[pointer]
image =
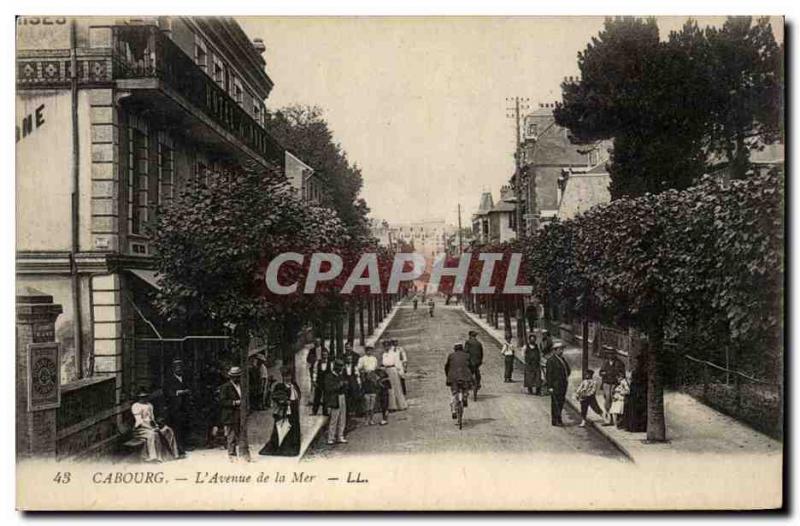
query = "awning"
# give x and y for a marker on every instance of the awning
(148, 276)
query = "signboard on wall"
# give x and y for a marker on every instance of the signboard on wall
(44, 376)
(43, 32)
(44, 160)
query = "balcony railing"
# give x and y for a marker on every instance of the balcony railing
(145, 52)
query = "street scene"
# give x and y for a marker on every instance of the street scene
(436, 248)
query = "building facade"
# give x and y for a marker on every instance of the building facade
(303, 179)
(113, 116)
(547, 153)
(428, 238)
(495, 222)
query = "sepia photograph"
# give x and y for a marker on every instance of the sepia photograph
(399, 263)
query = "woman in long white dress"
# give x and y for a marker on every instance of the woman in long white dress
(390, 362)
(159, 442)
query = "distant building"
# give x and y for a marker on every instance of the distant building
(303, 179)
(547, 152)
(428, 238)
(495, 222)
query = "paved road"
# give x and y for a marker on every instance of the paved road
(505, 419)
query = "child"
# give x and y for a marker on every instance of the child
(585, 394)
(384, 384)
(621, 391)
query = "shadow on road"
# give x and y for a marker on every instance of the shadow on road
(474, 422)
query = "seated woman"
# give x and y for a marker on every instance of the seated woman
(285, 439)
(159, 441)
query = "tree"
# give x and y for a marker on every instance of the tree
(746, 95)
(305, 129)
(674, 107)
(213, 242)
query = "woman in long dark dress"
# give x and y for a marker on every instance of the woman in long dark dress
(634, 413)
(285, 438)
(533, 366)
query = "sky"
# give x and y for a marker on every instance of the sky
(420, 104)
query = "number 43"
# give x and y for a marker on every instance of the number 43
(62, 478)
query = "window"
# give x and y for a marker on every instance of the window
(238, 94)
(201, 54)
(219, 72)
(137, 181)
(512, 221)
(166, 173)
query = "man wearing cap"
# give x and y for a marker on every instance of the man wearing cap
(335, 401)
(230, 409)
(176, 397)
(611, 372)
(475, 351)
(557, 378)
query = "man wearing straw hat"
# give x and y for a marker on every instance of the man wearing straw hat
(231, 402)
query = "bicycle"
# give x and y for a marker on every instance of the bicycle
(459, 404)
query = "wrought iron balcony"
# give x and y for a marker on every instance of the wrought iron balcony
(142, 52)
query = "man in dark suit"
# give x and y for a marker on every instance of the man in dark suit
(176, 397)
(475, 351)
(459, 372)
(230, 409)
(321, 369)
(557, 379)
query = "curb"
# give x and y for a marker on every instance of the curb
(569, 402)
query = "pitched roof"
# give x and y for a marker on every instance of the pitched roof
(487, 203)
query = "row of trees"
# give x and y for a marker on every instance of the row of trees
(703, 261)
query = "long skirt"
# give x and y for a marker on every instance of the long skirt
(533, 376)
(289, 446)
(397, 401)
(159, 444)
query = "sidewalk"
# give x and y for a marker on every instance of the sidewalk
(692, 427)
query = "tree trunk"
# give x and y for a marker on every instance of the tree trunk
(339, 334)
(361, 322)
(521, 329)
(656, 424)
(332, 329)
(370, 317)
(351, 324)
(585, 346)
(507, 318)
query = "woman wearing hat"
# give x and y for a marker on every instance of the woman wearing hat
(159, 442)
(285, 438)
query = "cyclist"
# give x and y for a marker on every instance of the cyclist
(459, 375)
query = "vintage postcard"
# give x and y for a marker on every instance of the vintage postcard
(399, 263)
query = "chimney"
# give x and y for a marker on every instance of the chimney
(258, 44)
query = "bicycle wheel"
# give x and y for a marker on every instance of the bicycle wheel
(460, 411)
